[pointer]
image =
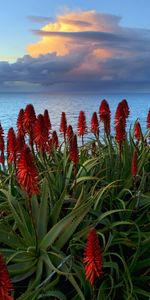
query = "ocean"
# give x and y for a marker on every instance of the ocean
(11, 103)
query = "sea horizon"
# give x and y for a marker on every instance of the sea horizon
(71, 104)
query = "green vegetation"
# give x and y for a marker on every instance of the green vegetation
(43, 233)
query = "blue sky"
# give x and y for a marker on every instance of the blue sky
(22, 34)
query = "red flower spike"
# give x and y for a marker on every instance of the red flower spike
(55, 142)
(104, 114)
(20, 142)
(125, 107)
(29, 117)
(73, 151)
(69, 133)
(137, 131)
(120, 124)
(29, 121)
(92, 257)
(11, 146)
(120, 132)
(120, 114)
(95, 124)
(40, 133)
(148, 119)
(6, 286)
(20, 123)
(27, 173)
(104, 110)
(2, 145)
(47, 120)
(63, 124)
(82, 128)
(134, 165)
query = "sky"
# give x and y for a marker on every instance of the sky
(80, 45)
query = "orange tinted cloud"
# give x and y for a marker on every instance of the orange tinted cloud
(73, 22)
(102, 53)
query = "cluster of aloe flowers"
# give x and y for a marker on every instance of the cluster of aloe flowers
(75, 208)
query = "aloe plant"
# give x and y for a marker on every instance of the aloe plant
(43, 235)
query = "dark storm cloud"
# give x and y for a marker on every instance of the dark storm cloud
(48, 70)
(84, 35)
(44, 70)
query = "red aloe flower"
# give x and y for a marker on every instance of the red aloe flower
(20, 142)
(63, 124)
(125, 107)
(92, 257)
(40, 133)
(29, 117)
(20, 123)
(120, 124)
(73, 151)
(137, 131)
(27, 173)
(134, 166)
(82, 127)
(55, 142)
(29, 121)
(120, 132)
(104, 114)
(2, 145)
(69, 133)
(120, 114)
(148, 119)
(6, 286)
(95, 124)
(11, 146)
(47, 120)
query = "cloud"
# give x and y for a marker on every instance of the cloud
(82, 50)
(83, 35)
(65, 34)
(39, 19)
(43, 71)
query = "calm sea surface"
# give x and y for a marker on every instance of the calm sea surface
(10, 104)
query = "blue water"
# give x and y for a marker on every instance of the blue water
(10, 104)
